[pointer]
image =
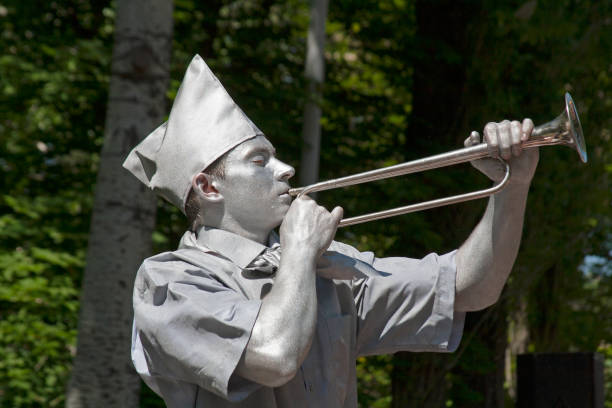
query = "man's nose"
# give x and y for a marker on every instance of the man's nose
(284, 171)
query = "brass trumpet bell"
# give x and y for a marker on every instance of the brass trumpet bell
(565, 129)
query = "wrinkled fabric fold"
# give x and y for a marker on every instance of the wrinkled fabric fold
(195, 309)
(204, 124)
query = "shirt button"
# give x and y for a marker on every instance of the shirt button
(310, 386)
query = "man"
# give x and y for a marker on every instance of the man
(232, 318)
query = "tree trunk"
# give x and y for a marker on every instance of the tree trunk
(446, 35)
(418, 380)
(124, 210)
(483, 375)
(315, 74)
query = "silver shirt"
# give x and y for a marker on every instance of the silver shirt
(194, 309)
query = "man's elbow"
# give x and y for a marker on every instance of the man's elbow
(285, 370)
(270, 368)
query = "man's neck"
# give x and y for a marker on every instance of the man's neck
(257, 236)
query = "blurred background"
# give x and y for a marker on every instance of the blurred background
(403, 79)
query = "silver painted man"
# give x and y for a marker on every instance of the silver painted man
(241, 316)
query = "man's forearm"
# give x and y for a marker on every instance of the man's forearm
(486, 258)
(283, 331)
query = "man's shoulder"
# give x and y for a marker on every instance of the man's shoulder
(190, 256)
(180, 264)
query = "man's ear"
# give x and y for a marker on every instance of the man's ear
(203, 186)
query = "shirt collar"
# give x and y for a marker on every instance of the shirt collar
(236, 248)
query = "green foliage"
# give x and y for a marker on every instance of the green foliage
(38, 325)
(53, 85)
(374, 382)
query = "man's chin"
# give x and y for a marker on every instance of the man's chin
(286, 198)
(280, 219)
(277, 220)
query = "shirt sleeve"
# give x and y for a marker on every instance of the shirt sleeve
(190, 327)
(406, 304)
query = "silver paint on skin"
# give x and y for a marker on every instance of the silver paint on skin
(254, 191)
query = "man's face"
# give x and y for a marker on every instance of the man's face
(255, 185)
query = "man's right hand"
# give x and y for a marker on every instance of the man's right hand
(287, 319)
(309, 226)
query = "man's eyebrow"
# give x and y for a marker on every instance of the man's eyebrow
(258, 149)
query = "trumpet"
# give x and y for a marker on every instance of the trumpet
(565, 130)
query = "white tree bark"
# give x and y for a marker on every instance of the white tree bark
(124, 210)
(315, 74)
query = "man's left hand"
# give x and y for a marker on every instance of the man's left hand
(505, 139)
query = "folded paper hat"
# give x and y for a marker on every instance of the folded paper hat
(204, 124)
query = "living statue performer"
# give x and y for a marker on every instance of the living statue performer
(240, 316)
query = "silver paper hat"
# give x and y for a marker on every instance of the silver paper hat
(204, 123)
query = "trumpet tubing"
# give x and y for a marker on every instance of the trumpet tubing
(565, 129)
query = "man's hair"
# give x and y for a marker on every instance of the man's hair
(192, 206)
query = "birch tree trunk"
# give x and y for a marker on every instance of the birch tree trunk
(315, 74)
(124, 210)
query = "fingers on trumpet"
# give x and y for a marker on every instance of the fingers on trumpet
(504, 138)
(473, 139)
(527, 128)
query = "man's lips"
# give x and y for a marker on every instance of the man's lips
(285, 195)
